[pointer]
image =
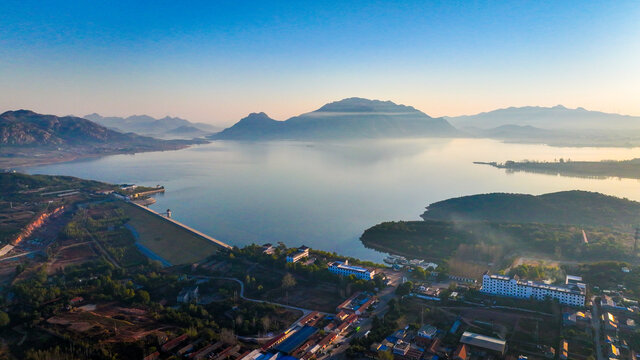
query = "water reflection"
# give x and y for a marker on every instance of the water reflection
(325, 194)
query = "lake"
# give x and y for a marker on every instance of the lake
(324, 195)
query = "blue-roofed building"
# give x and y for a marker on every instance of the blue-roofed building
(287, 357)
(295, 340)
(454, 327)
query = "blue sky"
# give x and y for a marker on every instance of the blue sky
(216, 61)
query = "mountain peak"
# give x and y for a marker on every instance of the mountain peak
(357, 104)
(19, 112)
(258, 115)
(347, 118)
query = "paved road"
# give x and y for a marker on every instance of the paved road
(103, 251)
(19, 255)
(595, 319)
(384, 296)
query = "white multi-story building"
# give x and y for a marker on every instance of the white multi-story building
(570, 294)
(301, 253)
(344, 269)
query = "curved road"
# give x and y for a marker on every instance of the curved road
(304, 311)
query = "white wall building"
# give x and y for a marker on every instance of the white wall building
(344, 269)
(514, 287)
(301, 253)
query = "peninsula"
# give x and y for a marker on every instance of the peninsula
(629, 169)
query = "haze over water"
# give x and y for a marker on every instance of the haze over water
(324, 195)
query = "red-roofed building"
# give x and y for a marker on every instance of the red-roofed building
(76, 300)
(343, 327)
(171, 344)
(308, 318)
(330, 326)
(342, 315)
(154, 356)
(346, 303)
(435, 347)
(461, 353)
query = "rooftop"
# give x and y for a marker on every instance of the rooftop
(574, 278)
(571, 289)
(297, 339)
(342, 265)
(482, 341)
(427, 331)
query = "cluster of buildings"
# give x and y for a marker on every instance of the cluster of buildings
(573, 292)
(315, 333)
(308, 338)
(342, 268)
(426, 343)
(398, 262)
(425, 292)
(182, 346)
(573, 317)
(357, 304)
(617, 319)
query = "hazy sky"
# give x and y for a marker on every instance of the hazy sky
(216, 61)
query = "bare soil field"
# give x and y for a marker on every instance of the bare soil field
(73, 254)
(108, 322)
(8, 270)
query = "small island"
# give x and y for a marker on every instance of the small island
(629, 169)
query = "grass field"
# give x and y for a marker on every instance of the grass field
(165, 239)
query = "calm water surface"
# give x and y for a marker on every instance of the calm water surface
(325, 195)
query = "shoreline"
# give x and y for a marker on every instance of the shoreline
(27, 162)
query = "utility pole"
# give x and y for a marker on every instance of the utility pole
(635, 242)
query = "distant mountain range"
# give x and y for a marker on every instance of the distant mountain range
(166, 127)
(350, 118)
(27, 128)
(556, 126)
(344, 119)
(28, 138)
(557, 117)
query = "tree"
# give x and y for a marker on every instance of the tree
(404, 288)
(143, 297)
(288, 281)
(384, 355)
(4, 319)
(266, 323)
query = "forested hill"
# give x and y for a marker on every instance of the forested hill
(27, 128)
(28, 138)
(566, 207)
